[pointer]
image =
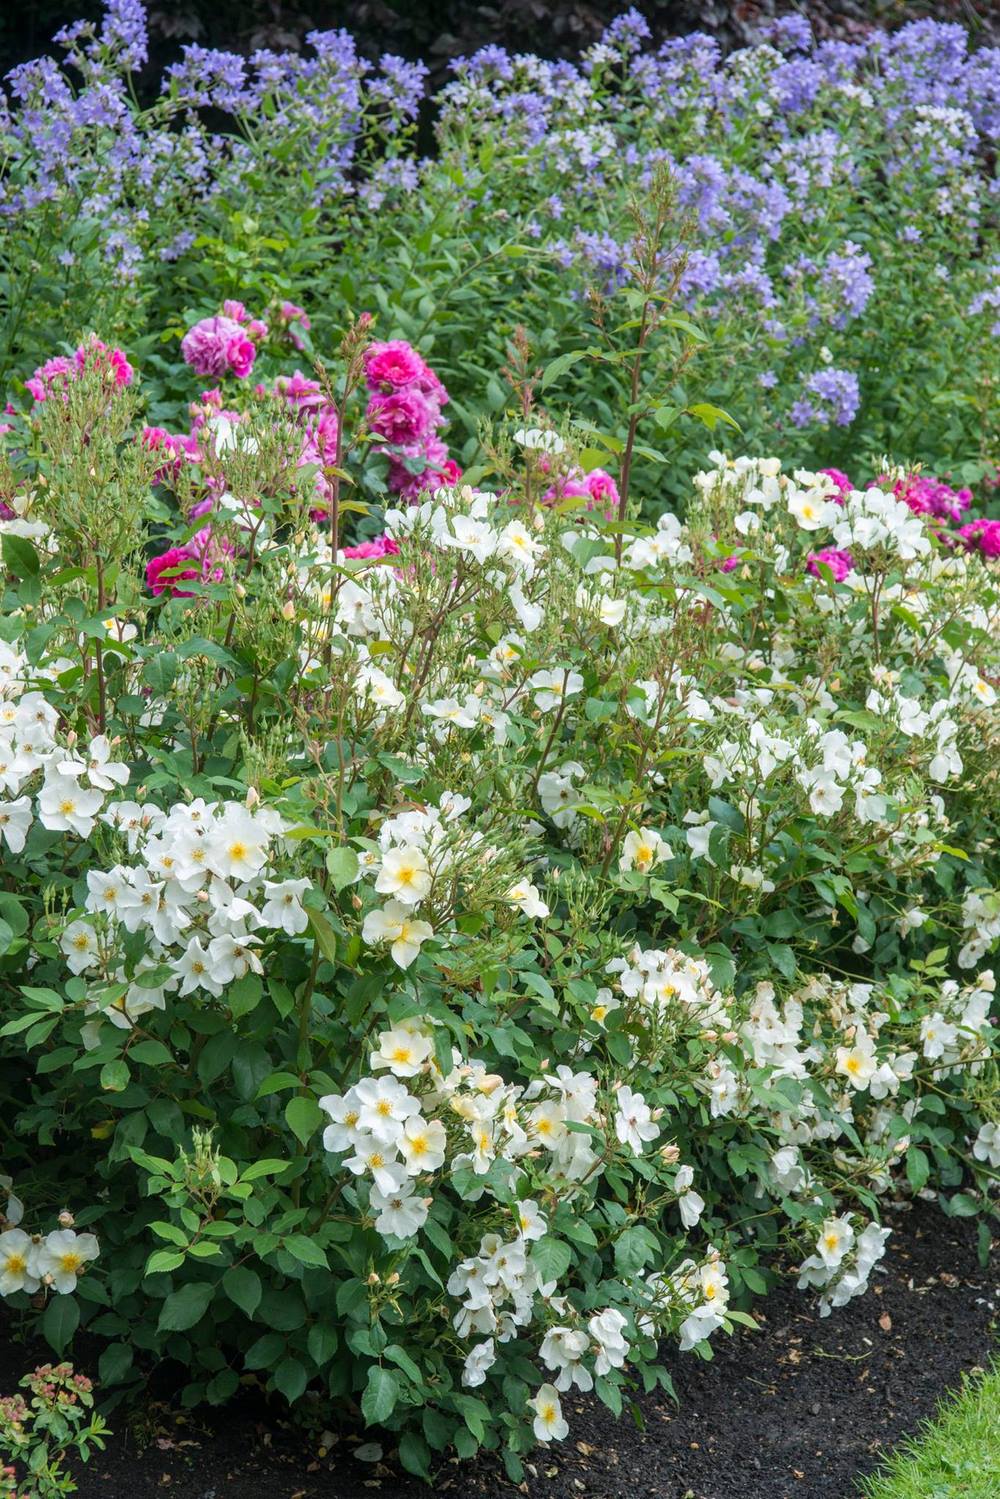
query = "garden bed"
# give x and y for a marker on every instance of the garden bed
(803, 1408)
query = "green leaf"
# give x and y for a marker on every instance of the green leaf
(115, 1362)
(710, 416)
(415, 1455)
(303, 1117)
(163, 1262)
(20, 557)
(633, 1249)
(160, 670)
(186, 1306)
(62, 1315)
(558, 367)
(291, 1379)
(115, 1076)
(171, 1233)
(266, 1351)
(242, 1286)
(276, 1083)
(262, 1168)
(322, 1343)
(306, 1251)
(400, 1356)
(918, 1167)
(379, 1400)
(151, 1054)
(326, 937)
(551, 1258)
(342, 867)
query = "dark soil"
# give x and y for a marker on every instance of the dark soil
(796, 1411)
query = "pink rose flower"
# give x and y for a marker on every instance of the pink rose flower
(240, 354)
(982, 536)
(217, 345)
(842, 482)
(180, 564)
(393, 366)
(839, 563)
(405, 416)
(381, 546)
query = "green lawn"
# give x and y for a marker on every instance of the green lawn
(956, 1455)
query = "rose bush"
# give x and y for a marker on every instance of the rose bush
(449, 948)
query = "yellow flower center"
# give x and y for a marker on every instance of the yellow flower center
(69, 1263)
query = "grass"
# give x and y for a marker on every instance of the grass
(956, 1456)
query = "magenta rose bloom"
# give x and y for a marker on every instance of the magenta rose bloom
(381, 546)
(598, 489)
(180, 563)
(393, 366)
(216, 345)
(839, 563)
(96, 355)
(300, 392)
(601, 487)
(403, 417)
(292, 319)
(240, 354)
(843, 483)
(926, 495)
(54, 375)
(982, 536)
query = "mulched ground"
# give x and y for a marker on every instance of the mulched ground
(796, 1411)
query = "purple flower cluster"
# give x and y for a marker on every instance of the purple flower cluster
(832, 398)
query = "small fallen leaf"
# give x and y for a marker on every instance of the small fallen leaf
(368, 1452)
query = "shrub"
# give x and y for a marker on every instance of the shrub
(841, 254)
(438, 969)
